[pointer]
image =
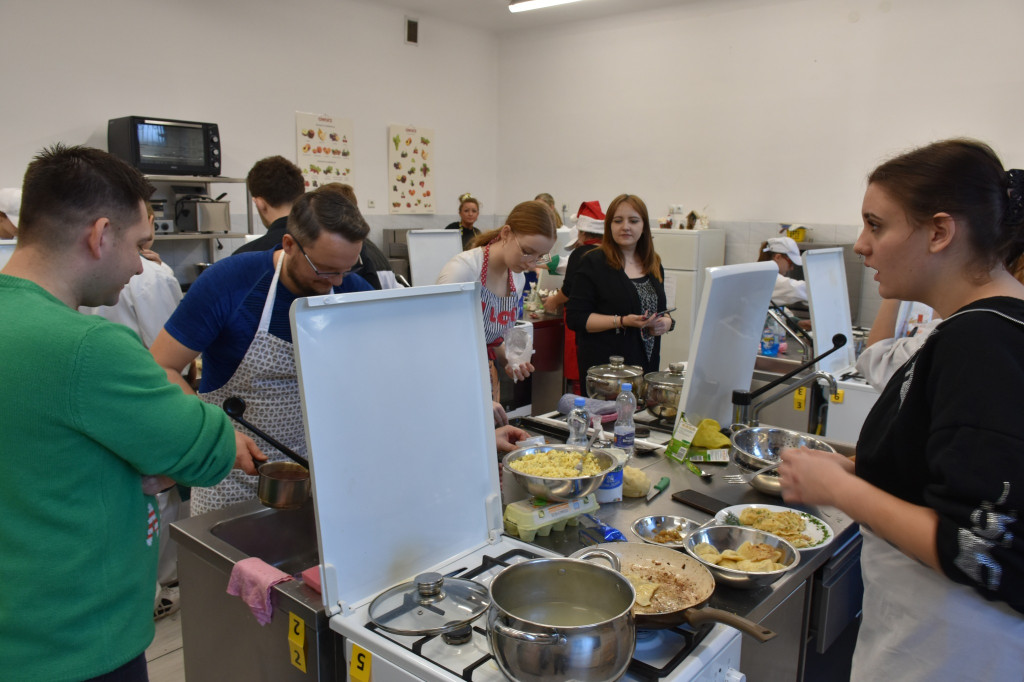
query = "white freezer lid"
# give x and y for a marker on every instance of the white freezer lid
(396, 401)
(829, 304)
(726, 337)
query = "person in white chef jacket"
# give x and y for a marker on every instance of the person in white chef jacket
(144, 305)
(785, 254)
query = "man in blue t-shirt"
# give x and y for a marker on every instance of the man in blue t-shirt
(236, 316)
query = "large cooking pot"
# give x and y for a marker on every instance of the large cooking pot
(603, 381)
(662, 391)
(282, 485)
(684, 588)
(562, 619)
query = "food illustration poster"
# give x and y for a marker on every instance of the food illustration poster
(410, 178)
(323, 149)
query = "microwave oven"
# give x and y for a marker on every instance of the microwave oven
(163, 146)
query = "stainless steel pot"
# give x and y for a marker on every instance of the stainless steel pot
(662, 391)
(603, 381)
(283, 485)
(562, 619)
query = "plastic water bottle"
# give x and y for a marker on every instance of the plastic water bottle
(578, 420)
(625, 429)
(771, 337)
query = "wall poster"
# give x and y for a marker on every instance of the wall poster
(323, 149)
(410, 180)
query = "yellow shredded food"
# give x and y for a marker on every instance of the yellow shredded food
(750, 557)
(788, 525)
(557, 464)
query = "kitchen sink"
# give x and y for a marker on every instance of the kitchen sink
(222, 639)
(284, 538)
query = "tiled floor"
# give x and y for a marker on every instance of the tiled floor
(165, 657)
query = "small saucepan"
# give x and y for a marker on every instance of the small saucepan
(684, 588)
(283, 485)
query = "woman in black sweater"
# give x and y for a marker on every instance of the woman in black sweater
(938, 481)
(618, 290)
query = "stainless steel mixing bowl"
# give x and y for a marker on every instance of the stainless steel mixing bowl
(559, 489)
(731, 537)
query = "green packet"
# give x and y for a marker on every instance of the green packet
(682, 436)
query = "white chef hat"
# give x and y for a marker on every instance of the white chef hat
(785, 246)
(10, 203)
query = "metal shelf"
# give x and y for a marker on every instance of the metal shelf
(209, 237)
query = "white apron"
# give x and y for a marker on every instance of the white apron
(920, 625)
(266, 380)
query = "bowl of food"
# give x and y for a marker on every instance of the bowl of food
(744, 558)
(670, 531)
(553, 472)
(759, 446)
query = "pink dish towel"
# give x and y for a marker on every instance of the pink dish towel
(251, 579)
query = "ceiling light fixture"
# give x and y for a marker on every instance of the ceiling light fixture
(524, 5)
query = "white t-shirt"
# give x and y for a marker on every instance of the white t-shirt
(465, 267)
(146, 301)
(879, 361)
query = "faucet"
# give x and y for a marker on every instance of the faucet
(745, 410)
(755, 408)
(805, 350)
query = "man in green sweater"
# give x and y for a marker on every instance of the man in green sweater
(88, 421)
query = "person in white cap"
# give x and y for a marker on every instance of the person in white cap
(10, 207)
(785, 254)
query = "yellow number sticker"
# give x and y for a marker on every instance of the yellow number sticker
(296, 629)
(799, 399)
(359, 667)
(838, 397)
(297, 654)
(297, 641)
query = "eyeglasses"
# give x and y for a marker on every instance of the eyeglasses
(538, 258)
(320, 273)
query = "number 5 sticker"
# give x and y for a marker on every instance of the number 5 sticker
(359, 667)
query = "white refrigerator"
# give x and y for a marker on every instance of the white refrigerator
(684, 255)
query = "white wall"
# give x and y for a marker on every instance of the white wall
(68, 66)
(760, 110)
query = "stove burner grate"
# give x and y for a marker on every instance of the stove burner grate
(686, 638)
(690, 640)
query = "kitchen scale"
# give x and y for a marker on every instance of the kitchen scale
(526, 519)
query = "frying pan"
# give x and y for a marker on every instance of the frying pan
(282, 485)
(682, 570)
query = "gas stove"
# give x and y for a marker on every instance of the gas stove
(393, 503)
(710, 653)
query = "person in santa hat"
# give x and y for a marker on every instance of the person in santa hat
(590, 228)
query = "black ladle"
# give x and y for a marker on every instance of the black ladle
(235, 408)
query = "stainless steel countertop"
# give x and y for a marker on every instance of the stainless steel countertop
(752, 604)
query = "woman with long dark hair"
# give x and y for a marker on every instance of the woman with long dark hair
(618, 291)
(938, 481)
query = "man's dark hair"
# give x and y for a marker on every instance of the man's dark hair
(328, 209)
(276, 180)
(70, 187)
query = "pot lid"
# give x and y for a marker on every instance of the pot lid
(429, 605)
(615, 369)
(673, 377)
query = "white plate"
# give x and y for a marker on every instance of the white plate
(817, 530)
